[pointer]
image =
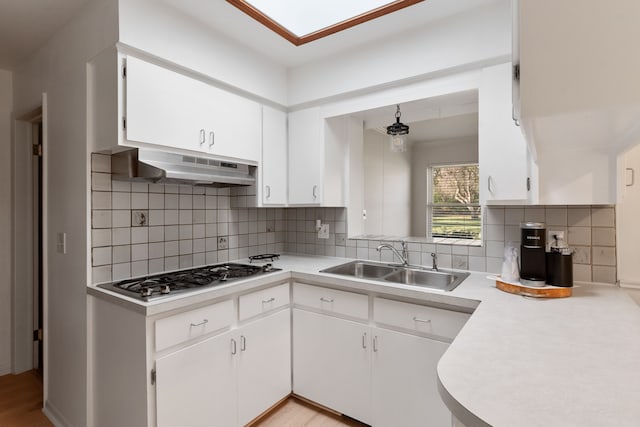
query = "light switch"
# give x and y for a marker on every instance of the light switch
(61, 243)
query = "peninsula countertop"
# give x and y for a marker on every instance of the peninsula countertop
(517, 362)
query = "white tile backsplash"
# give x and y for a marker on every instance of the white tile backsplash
(603, 217)
(183, 224)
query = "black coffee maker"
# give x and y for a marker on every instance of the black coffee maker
(532, 254)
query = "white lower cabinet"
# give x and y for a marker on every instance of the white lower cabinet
(264, 362)
(378, 376)
(332, 363)
(197, 384)
(229, 379)
(405, 383)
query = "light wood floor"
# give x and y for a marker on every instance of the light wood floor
(21, 401)
(297, 413)
(21, 406)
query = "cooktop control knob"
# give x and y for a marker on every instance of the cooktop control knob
(165, 289)
(146, 292)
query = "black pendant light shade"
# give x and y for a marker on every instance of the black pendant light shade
(398, 128)
(397, 132)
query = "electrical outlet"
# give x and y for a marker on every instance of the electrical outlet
(323, 232)
(551, 233)
(139, 218)
(223, 242)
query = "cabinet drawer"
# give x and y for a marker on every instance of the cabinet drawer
(191, 324)
(262, 301)
(420, 318)
(332, 300)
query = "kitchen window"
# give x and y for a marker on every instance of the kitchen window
(454, 214)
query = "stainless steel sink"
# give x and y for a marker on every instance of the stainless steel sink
(363, 270)
(443, 280)
(413, 276)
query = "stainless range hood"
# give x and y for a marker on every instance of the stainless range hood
(163, 167)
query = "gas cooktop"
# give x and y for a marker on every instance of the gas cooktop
(149, 288)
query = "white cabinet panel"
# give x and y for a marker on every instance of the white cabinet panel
(263, 301)
(182, 327)
(196, 385)
(419, 318)
(306, 156)
(264, 367)
(405, 382)
(163, 107)
(502, 150)
(331, 300)
(273, 175)
(166, 108)
(332, 363)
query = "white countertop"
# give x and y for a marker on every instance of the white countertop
(517, 362)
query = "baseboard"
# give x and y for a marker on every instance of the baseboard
(55, 416)
(5, 369)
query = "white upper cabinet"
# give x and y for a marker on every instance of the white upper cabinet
(272, 189)
(319, 157)
(579, 66)
(502, 150)
(306, 157)
(136, 103)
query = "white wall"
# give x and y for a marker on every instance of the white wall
(59, 69)
(6, 103)
(467, 41)
(387, 187)
(160, 30)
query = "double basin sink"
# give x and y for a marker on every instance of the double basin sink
(404, 275)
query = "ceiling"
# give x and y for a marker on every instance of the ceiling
(235, 24)
(25, 25)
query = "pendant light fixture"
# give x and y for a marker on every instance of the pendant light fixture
(398, 134)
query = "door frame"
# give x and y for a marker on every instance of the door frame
(22, 242)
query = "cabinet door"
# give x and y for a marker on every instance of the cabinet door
(306, 157)
(233, 125)
(405, 382)
(273, 188)
(163, 107)
(502, 150)
(331, 363)
(196, 386)
(264, 368)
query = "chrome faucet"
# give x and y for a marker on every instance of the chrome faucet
(435, 261)
(404, 256)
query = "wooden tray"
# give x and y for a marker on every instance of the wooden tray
(532, 291)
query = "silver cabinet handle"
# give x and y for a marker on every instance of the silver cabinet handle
(201, 136)
(633, 178)
(212, 138)
(267, 301)
(243, 343)
(375, 343)
(323, 299)
(315, 189)
(489, 184)
(233, 346)
(364, 340)
(204, 322)
(416, 319)
(268, 188)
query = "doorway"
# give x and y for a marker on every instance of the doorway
(29, 242)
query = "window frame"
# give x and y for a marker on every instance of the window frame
(430, 204)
